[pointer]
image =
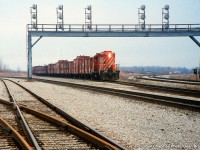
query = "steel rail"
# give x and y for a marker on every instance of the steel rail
(72, 119)
(186, 103)
(71, 128)
(167, 89)
(172, 81)
(16, 135)
(181, 80)
(22, 120)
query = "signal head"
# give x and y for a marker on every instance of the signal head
(60, 7)
(33, 16)
(142, 16)
(34, 6)
(142, 7)
(166, 16)
(166, 7)
(89, 7)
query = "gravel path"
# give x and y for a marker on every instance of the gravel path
(133, 124)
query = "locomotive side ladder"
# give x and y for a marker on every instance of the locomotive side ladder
(103, 30)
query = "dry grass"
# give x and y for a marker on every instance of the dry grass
(124, 75)
(12, 74)
(184, 77)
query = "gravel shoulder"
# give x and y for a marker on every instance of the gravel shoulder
(118, 86)
(131, 123)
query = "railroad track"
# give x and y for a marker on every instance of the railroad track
(172, 101)
(179, 91)
(57, 130)
(186, 92)
(11, 133)
(171, 80)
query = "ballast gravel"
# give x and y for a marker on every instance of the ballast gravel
(133, 124)
(3, 92)
(123, 87)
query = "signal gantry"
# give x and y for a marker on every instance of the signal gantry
(88, 29)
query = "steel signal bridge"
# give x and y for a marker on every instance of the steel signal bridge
(107, 30)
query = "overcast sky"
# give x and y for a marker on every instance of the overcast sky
(173, 51)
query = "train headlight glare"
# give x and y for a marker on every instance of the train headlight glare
(109, 55)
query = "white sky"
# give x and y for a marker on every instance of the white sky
(177, 52)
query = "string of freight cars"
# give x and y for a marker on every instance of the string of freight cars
(99, 67)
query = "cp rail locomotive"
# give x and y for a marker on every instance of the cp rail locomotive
(100, 67)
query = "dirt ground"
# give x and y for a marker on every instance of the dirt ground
(12, 74)
(184, 77)
(127, 76)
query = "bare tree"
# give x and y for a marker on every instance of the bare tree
(1, 65)
(18, 69)
(4, 67)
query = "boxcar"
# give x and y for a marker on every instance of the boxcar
(66, 68)
(81, 66)
(59, 68)
(51, 69)
(71, 68)
(40, 70)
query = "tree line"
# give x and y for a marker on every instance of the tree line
(156, 70)
(3, 67)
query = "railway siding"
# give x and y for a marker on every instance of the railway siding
(121, 87)
(178, 84)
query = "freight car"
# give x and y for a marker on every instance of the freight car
(100, 67)
(40, 70)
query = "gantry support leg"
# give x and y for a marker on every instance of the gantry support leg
(198, 43)
(29, 57)
(30, 46)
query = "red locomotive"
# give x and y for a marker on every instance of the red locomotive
(104, 67)
(100, 67)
